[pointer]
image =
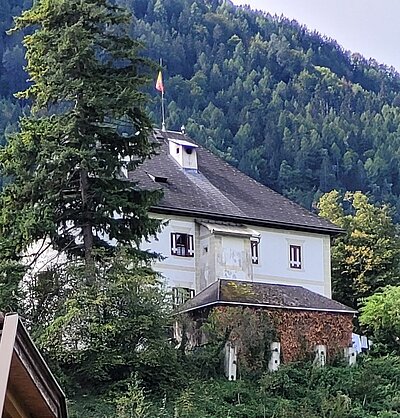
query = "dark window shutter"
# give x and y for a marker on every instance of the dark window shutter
(190, 251)
(174, 250)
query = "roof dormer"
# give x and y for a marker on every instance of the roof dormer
(184, 152)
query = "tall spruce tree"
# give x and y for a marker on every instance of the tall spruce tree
(100, 315)
(87, 124)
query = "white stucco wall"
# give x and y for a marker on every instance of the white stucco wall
(233, 258)
(219, 256)
(274, 266)
(179, 271)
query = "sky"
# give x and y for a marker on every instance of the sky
(369, 27)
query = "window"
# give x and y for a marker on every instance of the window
(180, 295)
(182, 245)
(254, 251)
(295, 261)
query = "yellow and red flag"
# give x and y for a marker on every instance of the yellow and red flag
(160, 83)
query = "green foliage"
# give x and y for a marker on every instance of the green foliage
(205, 362)
(366, 258)
(92, 406)
(99, 334)
(368, 390)
(11, 294)
(133, 404)
(381, 315)
(302, 390)
(251, 331)
(87, 123)
(260, 91)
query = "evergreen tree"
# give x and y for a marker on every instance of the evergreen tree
(88, 123)
(96, 314)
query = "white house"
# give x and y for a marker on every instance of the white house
(229, 241)
(224, 225)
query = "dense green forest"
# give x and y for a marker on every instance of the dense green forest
(290, 108)
(287, 106)
(12, 61)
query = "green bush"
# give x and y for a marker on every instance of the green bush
(369, 390)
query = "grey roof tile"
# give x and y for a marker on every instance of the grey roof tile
(246, 293)
(220, 190)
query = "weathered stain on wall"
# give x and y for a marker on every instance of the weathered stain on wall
(206, 259)
(222, 257)
(233, 258)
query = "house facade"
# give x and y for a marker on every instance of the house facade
(221, 224)
(199, 251)
(223, 230)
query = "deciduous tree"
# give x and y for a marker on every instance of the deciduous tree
(366, 257)
(381, 316)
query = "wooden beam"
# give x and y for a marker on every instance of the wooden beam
(13, 407)
(7, 342)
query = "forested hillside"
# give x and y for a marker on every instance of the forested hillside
(293, 110)
(288, 107)
(12, 75)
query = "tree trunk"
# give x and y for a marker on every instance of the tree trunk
(87, 231)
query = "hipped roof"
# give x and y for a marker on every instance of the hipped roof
(219, 191)
(254, 294)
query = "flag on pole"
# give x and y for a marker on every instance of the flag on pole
(159, 82)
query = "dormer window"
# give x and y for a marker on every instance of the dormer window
(182, 245)
(184, 153)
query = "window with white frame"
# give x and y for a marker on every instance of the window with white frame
(180, 295)
(295, 257)
(255, 244)
(182, 245)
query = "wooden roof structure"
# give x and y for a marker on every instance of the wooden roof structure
(27, 387)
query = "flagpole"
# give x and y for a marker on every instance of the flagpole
(163, 128)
